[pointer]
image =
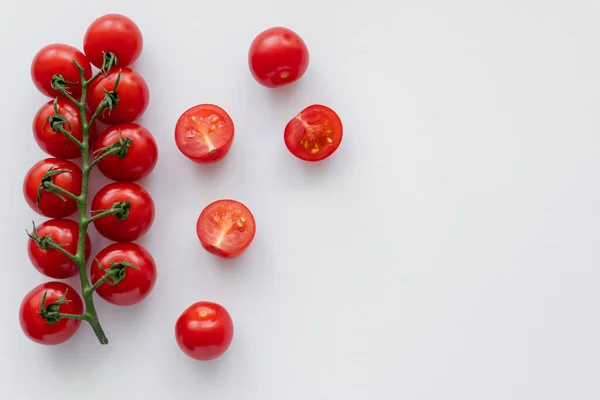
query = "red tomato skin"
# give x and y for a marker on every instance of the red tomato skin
(50, 205)
(141, 157)
(204, 331)
(133, 93)
(141, 212)
(181, 129)
(278, 56)
(52, 263)
(113, 33)
(57, 58)
(55, 143)
(136, 285)
(36, 328)
(314, 115)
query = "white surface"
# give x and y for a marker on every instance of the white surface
(448, 250)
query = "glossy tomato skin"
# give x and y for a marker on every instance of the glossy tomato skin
(52, 263)
(113, 33)
(204, 331)
(58, 58)
(141, 157)
(137, 283)
(55, 143)
(226, 228)
(204, 133)
(50, 205)
(314, 134)
(141, 212)
(133, 93)
(36, 328)
(278, 56)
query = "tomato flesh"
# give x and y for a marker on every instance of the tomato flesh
(314, 134)
(204, 133)
(226, 228)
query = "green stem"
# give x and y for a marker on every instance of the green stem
(52, 186)
(100, 215)
(70, 136)
(111, 152)
(59, 248)
(73, 316)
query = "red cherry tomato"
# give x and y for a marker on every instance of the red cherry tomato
(226, 228)
(113, 33)
(137, 283)
(141, 157)
(37, 328)
(204, 133)
(58, 59)
(141, 212)
(314, 134)
(55, 143)
(132, 91)
(50, 204)
(51, 262)
(204, 331)
(278, 56)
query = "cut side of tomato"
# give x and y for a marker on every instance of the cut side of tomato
(204, 133)
(314, 134)
(226, 228)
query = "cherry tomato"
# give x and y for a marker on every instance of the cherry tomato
(204, 133)
(55, 143)
(141, 212)
(226, 228)
(51, 262)
(50, 204)
(314, 134)
(37, 328)
(137, 283)
(113, 33)
(278, 56)
(204, 331)
(141, 157)
(58, 59)
(132, 91)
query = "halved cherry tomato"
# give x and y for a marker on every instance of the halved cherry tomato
(51, 262)
(133, 93)
(37, 328)
(138, 282)
(113, 33)
(314, 134)
(204, 331)
(141, 157)
(50, 204)
(141, 211)
(226, 228)
(278, 56)
(58, 58)
(55, 143)
(204, 133)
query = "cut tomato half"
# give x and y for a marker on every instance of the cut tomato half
(226, 228)
(314, 134)
(204, 133)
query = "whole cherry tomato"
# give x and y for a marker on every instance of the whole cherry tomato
(226, 228)
(138, 281)
(50, 204)
(314, 134)
(204, 133)
(278, 56)
(36, 327)
(140, 158)
(113, 33)
(51, 262)
(141, 211)
(132, 91)
(58, 59)
(204, 331)
(56, 143)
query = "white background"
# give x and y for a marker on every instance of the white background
(448, 250)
